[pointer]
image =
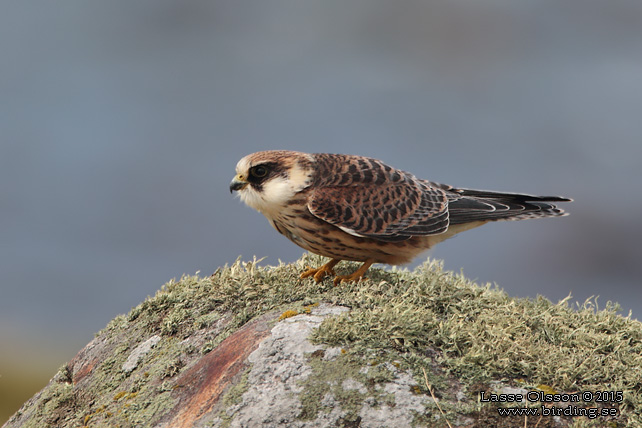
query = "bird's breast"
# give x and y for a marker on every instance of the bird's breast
(325, 239)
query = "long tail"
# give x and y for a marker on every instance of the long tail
(468, 205)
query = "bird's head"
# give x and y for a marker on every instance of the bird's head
(266, 181)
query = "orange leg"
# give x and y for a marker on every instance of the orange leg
(321, 272)
(356, 275)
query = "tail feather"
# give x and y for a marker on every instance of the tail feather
(468, 205)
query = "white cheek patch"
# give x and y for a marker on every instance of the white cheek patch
(251, 198)
(278, 190)
(274, 195)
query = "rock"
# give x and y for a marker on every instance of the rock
(252, 347)
(139, 352)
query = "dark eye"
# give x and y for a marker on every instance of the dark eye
(258, 171)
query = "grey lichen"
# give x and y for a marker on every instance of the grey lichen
(139, 353)
(347, 383)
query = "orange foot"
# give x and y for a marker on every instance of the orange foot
(356, 275)
(319, 273)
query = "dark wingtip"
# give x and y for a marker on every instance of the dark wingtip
(555, 199)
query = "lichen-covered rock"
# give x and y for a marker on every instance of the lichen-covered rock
(259, 347)
(278, 367)
(289, 377)
(266, 374)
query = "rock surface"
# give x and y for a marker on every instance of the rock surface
(259, 347)
(256, 377)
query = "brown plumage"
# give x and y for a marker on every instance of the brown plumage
(357, 208)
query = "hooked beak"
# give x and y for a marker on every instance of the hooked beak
(238, 183)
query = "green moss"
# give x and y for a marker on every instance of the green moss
(483, 334)
(233, 396)
(327, 378)
(206, 319)
(234, 393)
(58, 397)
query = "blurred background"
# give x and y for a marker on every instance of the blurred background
(121, 124)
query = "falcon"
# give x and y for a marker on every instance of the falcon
(357, 208)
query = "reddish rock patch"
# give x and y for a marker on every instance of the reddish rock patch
(200, 387)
